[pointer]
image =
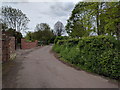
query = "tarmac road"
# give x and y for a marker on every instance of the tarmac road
(38, 68)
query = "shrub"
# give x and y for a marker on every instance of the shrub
(60, 38)
(99, 54)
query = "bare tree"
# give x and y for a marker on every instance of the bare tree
(14, 18)
(59, 28)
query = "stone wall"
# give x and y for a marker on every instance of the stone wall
(5, 48)
(28, 45)
(0, 46)
(8, 47)
(12, 47)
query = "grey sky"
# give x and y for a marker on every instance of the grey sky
(44, 12)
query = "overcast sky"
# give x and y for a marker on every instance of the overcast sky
(44, 12)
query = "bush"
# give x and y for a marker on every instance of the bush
(60, 38)
(99, 54)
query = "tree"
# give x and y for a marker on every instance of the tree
(112, 19)
(42, 33)
(42, 26)
(99, 17)
(16, 34)
(78, 30)
(3, 27)
(29, 36)
(59, 28)
(79, 24)
(14, 18)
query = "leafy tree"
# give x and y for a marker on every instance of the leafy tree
(11, 32)
(112, 19)
(29, 36)
(14, 18)
(3, 27)
(42, 33)
(42, 26)
(78, 30)
(16, 34)
(100, 17)
(59, 28)
(79, 24)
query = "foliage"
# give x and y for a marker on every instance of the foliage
(42, 26)
(99, 54)
(16, 34)
(11, 32)
(112, 19)
(43, 34)
(29, 36)
(60, 38)
(3, 27)
(99, 17)
(79, 24)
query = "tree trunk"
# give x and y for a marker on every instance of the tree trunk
(118, 31)
(97, 19)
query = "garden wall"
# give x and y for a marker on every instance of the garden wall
(12, 47)
(7, 45)
(28, 45)
(0, 46)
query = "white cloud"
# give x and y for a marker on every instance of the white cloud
(44, 12)
(74, 1)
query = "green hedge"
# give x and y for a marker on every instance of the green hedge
(60, 38)
(99, 54)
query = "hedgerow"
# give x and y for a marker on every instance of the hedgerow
(99, 54)
(60, 38)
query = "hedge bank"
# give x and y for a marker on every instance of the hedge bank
(99, 54)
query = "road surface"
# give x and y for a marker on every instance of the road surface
(38, 68)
